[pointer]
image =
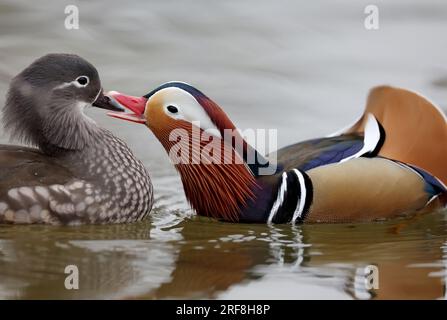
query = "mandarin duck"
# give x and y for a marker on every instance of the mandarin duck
(73, 172)
(391, 162)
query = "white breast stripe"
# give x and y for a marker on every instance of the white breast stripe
(302, 199)
(279, 198)
(371, 138)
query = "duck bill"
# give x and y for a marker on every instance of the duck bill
(104, 102)
(136, 106)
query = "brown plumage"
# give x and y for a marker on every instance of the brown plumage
(354, 190)
(207, 178)
(416, 131)
(390, 163)
(76, 172)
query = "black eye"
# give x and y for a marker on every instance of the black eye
(82, 80)
(172, 109)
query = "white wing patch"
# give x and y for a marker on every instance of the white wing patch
(371, 138)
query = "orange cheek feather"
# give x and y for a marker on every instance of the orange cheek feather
(205, 185)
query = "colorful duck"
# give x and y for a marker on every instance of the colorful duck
(78, 173)
(391, 162)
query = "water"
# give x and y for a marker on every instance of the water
(304, 69)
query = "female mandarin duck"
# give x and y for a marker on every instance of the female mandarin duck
(79, 172)
(390, 162)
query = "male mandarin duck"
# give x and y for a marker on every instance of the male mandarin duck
(78, 173)
(391, 162)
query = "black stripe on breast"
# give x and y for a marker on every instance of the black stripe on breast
(285, 211)
(309, 197)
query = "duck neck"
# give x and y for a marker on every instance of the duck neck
(217, 177)
(218, 190)
(69, 131)
(52, 124)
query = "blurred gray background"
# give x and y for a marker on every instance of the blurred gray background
(302, 67)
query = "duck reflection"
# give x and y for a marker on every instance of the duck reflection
(218, 260)
(113, 261)
(176, 257)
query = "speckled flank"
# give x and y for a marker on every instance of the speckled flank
(113, 187)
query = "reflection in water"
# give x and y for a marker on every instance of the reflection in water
(443, 272)
(113, 262)
(183, 258)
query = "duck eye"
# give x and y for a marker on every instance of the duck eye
(172, 109)
(82, 80)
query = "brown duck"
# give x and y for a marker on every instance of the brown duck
(391, 162)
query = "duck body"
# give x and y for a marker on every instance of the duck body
(389, 163)
(102, 184)
(360, 189)
(79, 173)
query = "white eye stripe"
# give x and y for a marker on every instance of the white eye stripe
(75, 83)
(188, 108)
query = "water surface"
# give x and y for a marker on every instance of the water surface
(302, 68)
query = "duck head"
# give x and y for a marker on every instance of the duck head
(45, 103)
(207, 150)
